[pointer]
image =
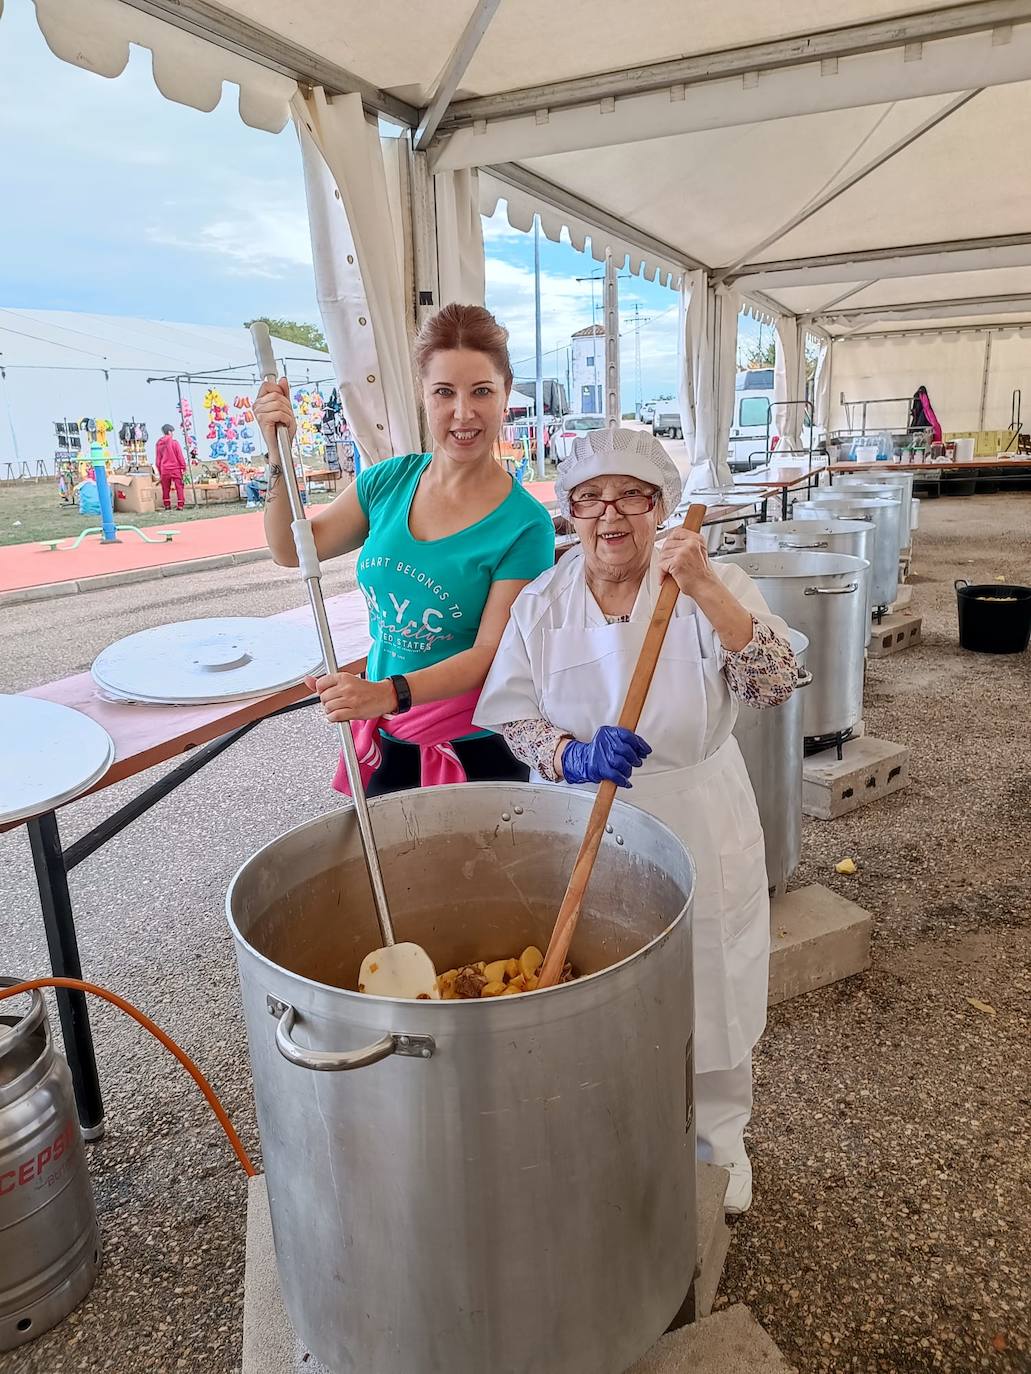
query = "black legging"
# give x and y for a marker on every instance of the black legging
(485, 759)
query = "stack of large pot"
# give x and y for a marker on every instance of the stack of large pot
(883, 508)
(899, 481)
(498, 1184)
(855, 538)
(822, 595)
(771, 743)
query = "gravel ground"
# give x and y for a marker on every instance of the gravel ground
(890, 1229)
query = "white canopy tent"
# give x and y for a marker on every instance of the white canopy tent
(844, 171)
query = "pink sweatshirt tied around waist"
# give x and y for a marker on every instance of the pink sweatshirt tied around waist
(432, 727)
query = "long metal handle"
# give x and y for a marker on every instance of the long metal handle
(337, 1061)
(822, 544)
(832, 591)
(307, 558)
(629, 717)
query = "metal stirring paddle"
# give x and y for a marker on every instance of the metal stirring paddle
(396, 970)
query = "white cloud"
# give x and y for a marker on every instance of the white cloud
(260, 244)
(565, 308)
(496, 229)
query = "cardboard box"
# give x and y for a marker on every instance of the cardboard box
(215, 493)
(135, 493)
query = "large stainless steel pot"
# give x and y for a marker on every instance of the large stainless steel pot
(772, 746)
(49, 1241)
(899, 481)
(852, 537)
(872, 491)
(504, 1184)
(822, 595)
(885, 513)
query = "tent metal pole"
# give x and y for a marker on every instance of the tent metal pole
(999, 250)
(832, 194)
(455, 69)
(984, 379)
(828, 46)
(1018, 301)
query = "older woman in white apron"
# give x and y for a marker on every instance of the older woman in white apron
(557, 686)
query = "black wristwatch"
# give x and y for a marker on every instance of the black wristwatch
(404, 694)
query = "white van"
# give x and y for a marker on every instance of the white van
(752, 425)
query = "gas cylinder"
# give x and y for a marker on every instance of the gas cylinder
(49, 1240)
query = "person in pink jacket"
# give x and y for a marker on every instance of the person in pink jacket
(171, 466)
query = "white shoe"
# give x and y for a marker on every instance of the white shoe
(739, 1189)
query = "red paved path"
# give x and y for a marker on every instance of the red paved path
(31, 565)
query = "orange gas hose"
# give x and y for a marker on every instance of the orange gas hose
(191, 1068)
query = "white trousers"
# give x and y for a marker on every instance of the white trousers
(723, 1108)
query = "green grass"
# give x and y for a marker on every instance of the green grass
(33, 511)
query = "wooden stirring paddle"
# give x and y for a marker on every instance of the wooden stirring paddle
(629, 718)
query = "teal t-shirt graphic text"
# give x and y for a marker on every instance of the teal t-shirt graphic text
(426, 597)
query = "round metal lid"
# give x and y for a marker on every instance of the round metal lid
(197, 661)
(50, 754)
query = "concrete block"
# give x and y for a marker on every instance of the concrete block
(729, 1342)
(220, 560)
(713, 1236)
(816, 938)
(46, 592)
(713, 1243)
(896, 631)
(902, 600)
(868, 770)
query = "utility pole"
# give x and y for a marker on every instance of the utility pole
(539, 391)
(597, 276)
(613, 399)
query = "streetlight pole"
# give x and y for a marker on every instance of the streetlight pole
(539, 391)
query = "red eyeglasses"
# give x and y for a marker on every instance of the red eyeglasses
(593, 507)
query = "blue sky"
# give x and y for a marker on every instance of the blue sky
(121, 202)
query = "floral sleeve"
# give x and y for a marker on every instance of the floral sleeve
(764, 672)
(534, 743)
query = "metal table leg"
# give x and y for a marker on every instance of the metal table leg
(52, 880)
(784, 503)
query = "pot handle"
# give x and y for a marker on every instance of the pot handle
(822, 544)
(961, 582)
(334, 1061)
(832, 591)
(805, 677)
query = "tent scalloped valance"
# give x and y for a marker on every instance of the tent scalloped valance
(96, 35)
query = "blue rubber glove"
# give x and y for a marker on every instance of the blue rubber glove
(611, 756)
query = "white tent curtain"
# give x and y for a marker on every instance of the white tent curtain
(706, 369)
(694, 379)
(460, 262)
(789, 383)
(359, 272)
(822, 386)
(727, 308)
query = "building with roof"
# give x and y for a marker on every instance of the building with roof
(587, 368)
(57, 366)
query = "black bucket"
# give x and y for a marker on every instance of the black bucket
(994, 618)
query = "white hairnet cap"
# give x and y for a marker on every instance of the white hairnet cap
(619, 453)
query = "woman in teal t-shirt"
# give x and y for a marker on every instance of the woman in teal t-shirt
(447, 541)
